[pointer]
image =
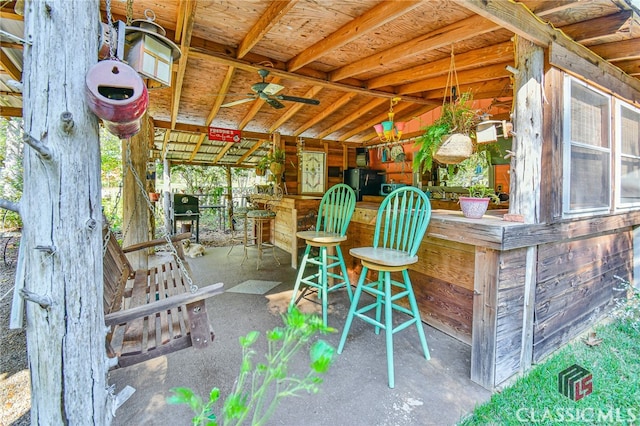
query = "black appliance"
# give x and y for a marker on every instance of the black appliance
(363, 181)
(186, 209)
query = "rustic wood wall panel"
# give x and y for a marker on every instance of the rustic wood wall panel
(575, 286)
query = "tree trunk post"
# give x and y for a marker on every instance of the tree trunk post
(166, 194)
(135, 207)
(62, 216)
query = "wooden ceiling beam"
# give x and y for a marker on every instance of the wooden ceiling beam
(196, 148)
(165, 142)
(224, 89)
(379, 15)
(631, 66)
(594, 29)
(518, 19)
(276, 11)
(619, 50)
(483, 90)
(251, 150)
(180, 11)
(497, 53)
(317, 80)
(10, 111)
(11, 45)
(10, 67)
(189, 18)
(293, 109)
(326, 112)
(471, 76)
(255, 107)
(471, 27)
(351, 117)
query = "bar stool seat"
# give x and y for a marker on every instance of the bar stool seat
(334, 214)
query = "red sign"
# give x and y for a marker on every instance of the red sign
(224, 135)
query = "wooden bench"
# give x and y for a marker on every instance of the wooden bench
(152, 312)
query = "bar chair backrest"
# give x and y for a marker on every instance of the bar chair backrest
(402, 220)
(336, 208)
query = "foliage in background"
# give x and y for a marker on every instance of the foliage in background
(260, 387)
(614, 364)
(11, 171)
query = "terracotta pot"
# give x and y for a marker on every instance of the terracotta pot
(474, 208)
(154, 196)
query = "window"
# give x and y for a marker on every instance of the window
(587, 149)
(628, 145)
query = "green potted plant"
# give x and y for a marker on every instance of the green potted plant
(476, 204)
(276, 158)
(263, 165)
(448, 139)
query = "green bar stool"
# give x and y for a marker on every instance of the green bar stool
(402, 221)
(336, 208)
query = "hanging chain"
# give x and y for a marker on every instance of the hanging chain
(166, 234)
(129, 12)
(113, 35)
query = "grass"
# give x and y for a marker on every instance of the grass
(534, 398)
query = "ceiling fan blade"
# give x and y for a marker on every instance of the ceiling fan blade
(238, 102)
(272, 89)
(274, 103)
(297, 99)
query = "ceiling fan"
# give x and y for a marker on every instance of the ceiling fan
(268, 92)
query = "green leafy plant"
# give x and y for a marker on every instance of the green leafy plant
(456, 117)
(482, 191)
(277, 156)
(260, 387)
(263, 164)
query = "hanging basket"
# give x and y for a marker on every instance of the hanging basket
(454, 149)
(259, 172)
(276, 168)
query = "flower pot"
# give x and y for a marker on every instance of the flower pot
(276, 168)
(259, 172)
(454, 149)
(154, 196)
(474, 208)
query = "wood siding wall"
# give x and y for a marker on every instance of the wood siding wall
(576, 281)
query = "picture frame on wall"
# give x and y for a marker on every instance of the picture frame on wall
(312, 173)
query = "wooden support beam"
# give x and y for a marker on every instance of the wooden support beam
(351, 117)
(326, 112)
(473, 26)
(189, 18)
(275, 11)
(6, 111)
(224, 89)
(517, 18)
(196, 148)
(251, 150)
(380, 14)
(10, 67)
(499, 53)
(293, 109)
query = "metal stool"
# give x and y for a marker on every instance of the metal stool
(259, 217)
(239, 213)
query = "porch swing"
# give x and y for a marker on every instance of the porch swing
(155, 311)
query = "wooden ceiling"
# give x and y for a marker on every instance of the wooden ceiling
(351, 55)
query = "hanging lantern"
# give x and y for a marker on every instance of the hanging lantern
(117, 94)
(148, 51)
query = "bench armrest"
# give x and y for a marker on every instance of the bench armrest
(121, 317)
(156, 242)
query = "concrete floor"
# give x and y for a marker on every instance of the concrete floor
(355, 390)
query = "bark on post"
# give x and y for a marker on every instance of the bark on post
(525, 169)
(134, 197)
(62, 217)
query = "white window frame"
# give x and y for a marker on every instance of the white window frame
(619, 154)
(568, 144)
